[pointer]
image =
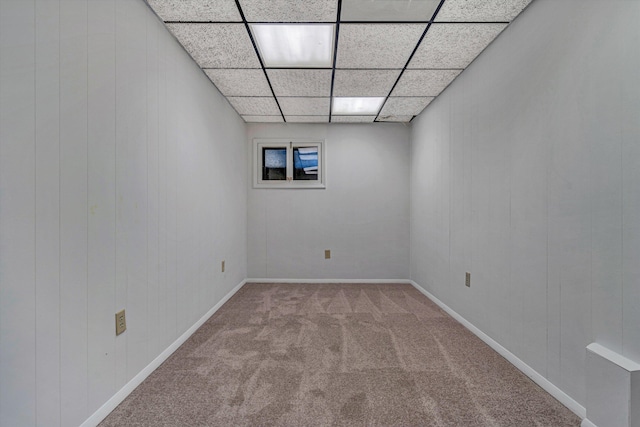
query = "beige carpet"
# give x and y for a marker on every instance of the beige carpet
(336, 354)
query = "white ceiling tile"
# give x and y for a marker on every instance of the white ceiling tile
(255, 106)
(352, 119)
(424, 82)
(377, 45)
(263, 119)
(196, 10)
(392, 118)
(290, 11)
(217, 45)
(481, 10)
(454, 45)
(388, 10)
(304, 106)
(300, 82)
(307, 119)
(405, 106)
(240, 82)
(364, 82)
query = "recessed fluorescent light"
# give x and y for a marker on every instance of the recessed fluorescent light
(358, 106)
(295, 45)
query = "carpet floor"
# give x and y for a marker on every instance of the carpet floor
(336, 354)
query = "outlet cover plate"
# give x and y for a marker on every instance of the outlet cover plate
(121, 322)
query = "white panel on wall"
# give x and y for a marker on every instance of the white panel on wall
(123, 91)
(47, 213)
(73, 211)
(538, 147)
(17, 215)
(153, 177)
(102, 116)
(101, 157)
(367, 189)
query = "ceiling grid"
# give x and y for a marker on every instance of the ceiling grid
(385, 60)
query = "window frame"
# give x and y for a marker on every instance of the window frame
(289, 144)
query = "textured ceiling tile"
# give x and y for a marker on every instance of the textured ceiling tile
(352, 119)
(307, 119)
(454, 45)
(388, 10)
(424, 82)
(481, 10)
(257, 106)
(240, 82)
(196, 10)
(300, 82)
(304, 106)
(405, 106)
(263, 119)
(401, 119)
(377, 45)
(217, 45)
(290, 11)
(364, 82)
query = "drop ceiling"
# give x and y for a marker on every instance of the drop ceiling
(403, 51)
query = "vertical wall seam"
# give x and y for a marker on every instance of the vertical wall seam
(35, 214)
(88, 287)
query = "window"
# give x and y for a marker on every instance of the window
(288, 164)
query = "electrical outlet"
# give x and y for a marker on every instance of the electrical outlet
(121, 322)
(467, 280)
(327, 254)
(223, 266)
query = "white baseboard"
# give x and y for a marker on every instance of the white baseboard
(117, 398)
(547, 385)
(373, 281)
(587, 423)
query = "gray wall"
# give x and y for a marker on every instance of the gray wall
(362, 216)
(526, 173)
(119, 188)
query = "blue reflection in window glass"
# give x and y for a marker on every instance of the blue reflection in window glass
(275, 158)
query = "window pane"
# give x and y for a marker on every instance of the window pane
(274, 164)
(305, 163)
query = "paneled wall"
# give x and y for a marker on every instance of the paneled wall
(526, 173)
(362, 216)
(119, 188)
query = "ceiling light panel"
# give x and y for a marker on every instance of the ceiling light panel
(254, 106)
(304, 106)
(392, 118)
(295, 45)
(481, 10)
(377, 45)
(196, 10)
(263, 119)
(307, 119)
(388, 10)
(300, 82)
(424, 82)
(357, 105)
(454, 45)
(217, 45)
(290, 11)
(242, 82)
(364, 82)
(353, 119)
(409, 106)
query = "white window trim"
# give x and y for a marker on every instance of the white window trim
(259, 144)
